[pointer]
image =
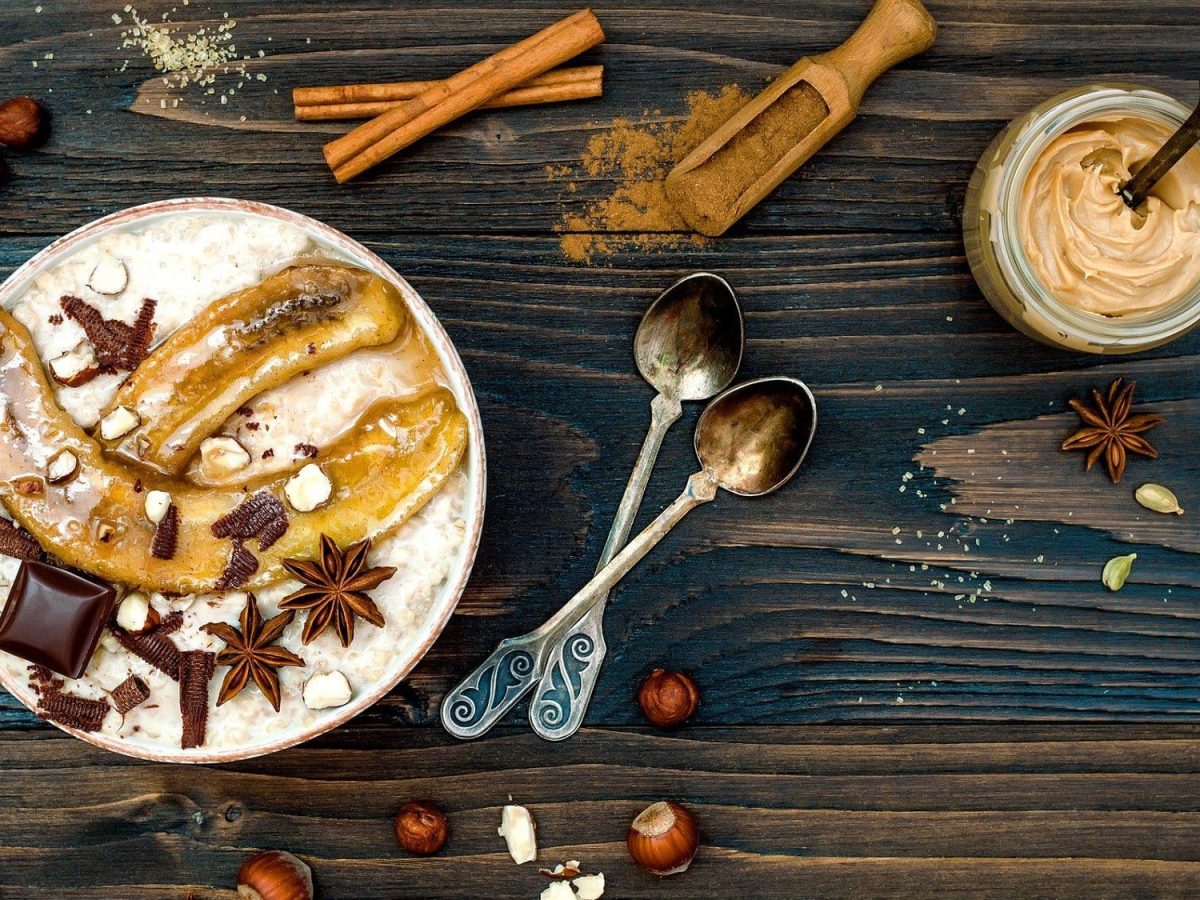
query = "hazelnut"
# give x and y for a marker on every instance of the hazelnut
(118, 423)
(326, 689)
(22, 122)
(63, 467)
(421, 827)
(157, 504)
(135, 614)
(558, 890)
(663, 839)
(222, 455)
(518, 830)
(308, 488)
(75, 367)
(668, 698)
(589, 887)
(274, 875)
(109, 276)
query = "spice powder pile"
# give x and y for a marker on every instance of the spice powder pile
(637, 214)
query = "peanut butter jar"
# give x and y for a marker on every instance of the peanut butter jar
(1052, 245)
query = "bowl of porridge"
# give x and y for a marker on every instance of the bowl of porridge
(242, 480)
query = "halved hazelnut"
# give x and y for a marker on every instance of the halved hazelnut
(109, 276)
(75, 367)
(518, 830)
(157, 504)
(135, 614)
(275, 875)
(558, 890)
(421, 827)
(118, 423)
(308, 489)
(63, 467)
(327, 689)
(222, 455)
(663, 839)
(589, 887)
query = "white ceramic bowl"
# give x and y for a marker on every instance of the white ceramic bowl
(474, 463)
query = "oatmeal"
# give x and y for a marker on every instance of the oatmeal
(185, 263)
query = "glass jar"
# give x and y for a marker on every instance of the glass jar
(997, 256)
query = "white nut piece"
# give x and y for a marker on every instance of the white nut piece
(517, 828)
(308, 488)
(135, 614)
(157, 504)
(326, 690)
(590, 887)
(223, 455)
(109, 277)
(62, 468)
(558, 890)
(75, 367)
(118, 423)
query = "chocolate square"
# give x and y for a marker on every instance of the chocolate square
(54, 617)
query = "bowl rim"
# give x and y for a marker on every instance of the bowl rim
(475, 464)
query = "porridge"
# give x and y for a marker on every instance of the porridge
(241, 465)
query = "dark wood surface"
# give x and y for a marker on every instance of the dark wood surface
(869, 725)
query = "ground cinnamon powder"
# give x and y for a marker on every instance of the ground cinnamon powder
(638, 154)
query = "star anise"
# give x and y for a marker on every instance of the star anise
(335, 587)
(1110, 431)
(249, 655)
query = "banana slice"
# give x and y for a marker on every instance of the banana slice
(383, 471)
(244, 344)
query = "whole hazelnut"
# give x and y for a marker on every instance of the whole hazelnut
(421, 827)
(275, 875)
(663, 839)
(668, 698)
(21, 122)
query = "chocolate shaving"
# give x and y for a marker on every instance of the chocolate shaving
(242, 564)
(18, 543)
(55, 319)
(195, 671)
(170, 623)
(306, 450)
(154, 647)
(118, 347)
(72, 711)
(166, 535)
(261, 516)
(129, 693)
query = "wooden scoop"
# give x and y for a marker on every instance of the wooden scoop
(775, 133)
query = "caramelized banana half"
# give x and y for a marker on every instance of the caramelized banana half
(244, 344)
(396, 458)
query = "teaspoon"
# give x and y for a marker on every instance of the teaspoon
(750, 441)
(1148, 176)
(689, 347)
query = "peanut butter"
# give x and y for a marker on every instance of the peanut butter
(1088, 248)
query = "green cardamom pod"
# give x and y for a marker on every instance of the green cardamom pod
(1116, 570)
(1157, 498)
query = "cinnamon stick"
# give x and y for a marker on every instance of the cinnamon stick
(372, 142)
(364, 101)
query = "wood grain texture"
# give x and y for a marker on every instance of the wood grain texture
(869, 696)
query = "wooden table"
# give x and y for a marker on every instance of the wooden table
(954, 707)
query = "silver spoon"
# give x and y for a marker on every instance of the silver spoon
(750, 441)
(689, 347)
(1148, 176)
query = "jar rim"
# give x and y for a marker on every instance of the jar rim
(1043, 125)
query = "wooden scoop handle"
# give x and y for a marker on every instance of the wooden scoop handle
(893, 31)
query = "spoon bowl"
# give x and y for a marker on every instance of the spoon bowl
(689, 343)
(754, 437)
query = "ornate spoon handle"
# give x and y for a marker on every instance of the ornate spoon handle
(485, 695)
(562, 696)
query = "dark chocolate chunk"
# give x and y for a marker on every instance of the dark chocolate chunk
(54, 617)
(166, 535)
(129, 693)
(18, 543)
(195, 671)
(74, 712)
(242, 564)
(154, 647)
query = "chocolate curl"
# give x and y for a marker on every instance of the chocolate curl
(261, 516)
(166, 535)
(242, 564)
(18, 543)
(153, 646)
(195, 671)
(118, 347)
(272, 531)
(170, 623)
(74, 712)
(129, 693)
